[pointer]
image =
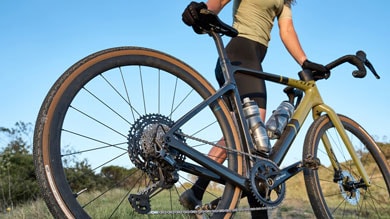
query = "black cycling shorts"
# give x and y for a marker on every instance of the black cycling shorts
(249, 54)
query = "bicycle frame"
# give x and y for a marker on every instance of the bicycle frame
(311, 102)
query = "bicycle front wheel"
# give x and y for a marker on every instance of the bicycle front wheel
(98, 128)
(339, 192)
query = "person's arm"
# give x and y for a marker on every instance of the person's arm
(216, 5)
(290, 40)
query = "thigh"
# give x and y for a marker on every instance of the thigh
(248, 54)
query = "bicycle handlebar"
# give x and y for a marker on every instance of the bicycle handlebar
(209, 22)
(353, 60)
(359, 60)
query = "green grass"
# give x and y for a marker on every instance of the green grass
(295, 204)
(31, 210)
(38, 209)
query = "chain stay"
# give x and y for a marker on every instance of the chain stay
(203, 209)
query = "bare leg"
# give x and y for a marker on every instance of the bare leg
(218, 154)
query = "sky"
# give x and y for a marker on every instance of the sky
(40, 39)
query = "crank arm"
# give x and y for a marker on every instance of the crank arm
(277, 178)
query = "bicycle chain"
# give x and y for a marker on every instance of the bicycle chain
(223, 147)
(211, 211)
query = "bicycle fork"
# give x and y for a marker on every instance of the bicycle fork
(341, 131)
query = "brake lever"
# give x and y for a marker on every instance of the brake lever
(363, 57)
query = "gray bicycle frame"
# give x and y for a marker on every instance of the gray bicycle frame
(311, 102)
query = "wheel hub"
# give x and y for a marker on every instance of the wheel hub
(348, 190)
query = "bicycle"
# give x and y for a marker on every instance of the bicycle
(101, 107)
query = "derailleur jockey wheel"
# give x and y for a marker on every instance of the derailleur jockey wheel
(140, 203)
(262, 180)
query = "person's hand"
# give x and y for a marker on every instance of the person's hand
(191, 14)
(316, 68)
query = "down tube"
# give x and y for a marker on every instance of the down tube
(283, 144)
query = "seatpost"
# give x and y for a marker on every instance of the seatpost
(223, 60)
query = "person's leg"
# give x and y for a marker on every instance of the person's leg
(193, 196)
(216, 153)
(247, 54)
(250, 54)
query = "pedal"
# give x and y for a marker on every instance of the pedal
(311, 162)
(199, 215)
(212, 205)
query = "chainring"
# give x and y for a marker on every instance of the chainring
(261, 183)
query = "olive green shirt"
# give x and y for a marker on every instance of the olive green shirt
(254, 19)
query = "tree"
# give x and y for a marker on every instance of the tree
(17, 177)
(81, 176)
(121, 177)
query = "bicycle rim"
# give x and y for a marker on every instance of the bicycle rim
(81, 139)
(332, 198)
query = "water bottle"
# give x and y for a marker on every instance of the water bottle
(278, 120)
(256, 125)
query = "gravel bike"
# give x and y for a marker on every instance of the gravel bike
(124, 131)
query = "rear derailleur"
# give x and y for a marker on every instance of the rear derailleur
(141, 201)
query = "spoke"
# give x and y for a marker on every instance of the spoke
(99, 166)
(106, 105)
(112, 187)
(132, 109)
(337, 207)
(332, 194)
(119, 204)
(173, 97)
(142, 88)
(93, 139)
(326, 180)
(101, 123)
(180, 103)
(369, 196)
(337, 141)
(109, 161)
(159, 91)
(204, 128)
(96, 148)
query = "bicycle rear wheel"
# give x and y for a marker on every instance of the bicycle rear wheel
(336, 194)
(86, 122)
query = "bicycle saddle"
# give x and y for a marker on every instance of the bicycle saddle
(209, 21)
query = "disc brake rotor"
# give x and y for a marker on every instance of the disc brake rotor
(348, 192)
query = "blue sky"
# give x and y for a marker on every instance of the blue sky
(40, 39)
